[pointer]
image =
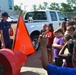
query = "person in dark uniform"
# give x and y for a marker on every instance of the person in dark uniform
(5, 27)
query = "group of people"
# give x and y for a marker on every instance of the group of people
(54, 44)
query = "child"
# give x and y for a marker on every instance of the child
(68, 41)
(4, 28)
(52, 69)
(74, 23)
(57, 45)
(44, 26)
(70, 30)
(63, 26)
(50, 35)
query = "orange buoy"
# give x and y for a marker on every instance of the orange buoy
(11, 62)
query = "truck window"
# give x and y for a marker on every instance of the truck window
(36, 15)
(53, 16)
(61, 16)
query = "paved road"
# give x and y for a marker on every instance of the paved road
(33, 65)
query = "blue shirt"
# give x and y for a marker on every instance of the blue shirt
(55, 70)
(4, 26)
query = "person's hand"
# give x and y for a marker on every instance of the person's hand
(43, 41)
(2, 45)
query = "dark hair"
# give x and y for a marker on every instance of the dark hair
(58, 30)
(74, 48)
(70, 46)
(67, 37)
(71, 23)
(64, 23)
(5, 14)
(74, 35)
(71, 28)
(51, 25)
(74, 17)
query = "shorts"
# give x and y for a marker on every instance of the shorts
(49, 47)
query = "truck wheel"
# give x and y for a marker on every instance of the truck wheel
(35, 42)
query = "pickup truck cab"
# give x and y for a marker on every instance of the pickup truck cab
(35, 19)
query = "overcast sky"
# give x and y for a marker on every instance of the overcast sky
(28, 3)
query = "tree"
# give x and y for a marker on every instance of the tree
(34, 7)
(17, 8)
(40, 7)
(45, 5)
(66, 7)
(72, 2)
(54, 6)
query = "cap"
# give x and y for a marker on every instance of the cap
(5, 14)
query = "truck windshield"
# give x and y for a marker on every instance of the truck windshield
(36, 15)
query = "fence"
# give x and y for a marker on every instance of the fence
(70, 15)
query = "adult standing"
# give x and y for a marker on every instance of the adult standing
(5, 27)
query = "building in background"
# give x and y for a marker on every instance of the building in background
(6, 5)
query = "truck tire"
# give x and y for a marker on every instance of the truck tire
(35, 42)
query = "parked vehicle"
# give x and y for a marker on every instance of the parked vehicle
(11, 19)
(35, 19)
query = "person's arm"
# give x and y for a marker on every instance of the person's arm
(61, 53)
(60, 45)
(43, 44)
(2, 40)
(57, 46)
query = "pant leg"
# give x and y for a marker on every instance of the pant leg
(58, 62)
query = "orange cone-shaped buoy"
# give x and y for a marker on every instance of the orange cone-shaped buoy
(11, 62)
(22, 40)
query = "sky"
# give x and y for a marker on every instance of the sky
(27, 4)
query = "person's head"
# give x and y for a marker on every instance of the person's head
(44, 26)
(75, 19)
(69, 39)
(66, 38)
(63, 26)
(74, 35)
(50, 27)
(70, 23)
(4, 16)
(70, 30)
(58, 32)
(74, 55)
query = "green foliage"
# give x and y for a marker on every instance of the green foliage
(34, 7)
(66, 7)
(17, 8)
(54, 6)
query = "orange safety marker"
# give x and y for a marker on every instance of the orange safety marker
(11, 62)
(22, 40)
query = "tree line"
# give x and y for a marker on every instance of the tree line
(69, 6)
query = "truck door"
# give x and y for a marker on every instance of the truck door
(54, 19)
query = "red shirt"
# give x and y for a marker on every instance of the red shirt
(50, 33)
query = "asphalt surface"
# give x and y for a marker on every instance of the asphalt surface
(33, 65)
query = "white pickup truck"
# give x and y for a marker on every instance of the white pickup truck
(35, 19)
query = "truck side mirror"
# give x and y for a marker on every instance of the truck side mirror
(66, 19)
